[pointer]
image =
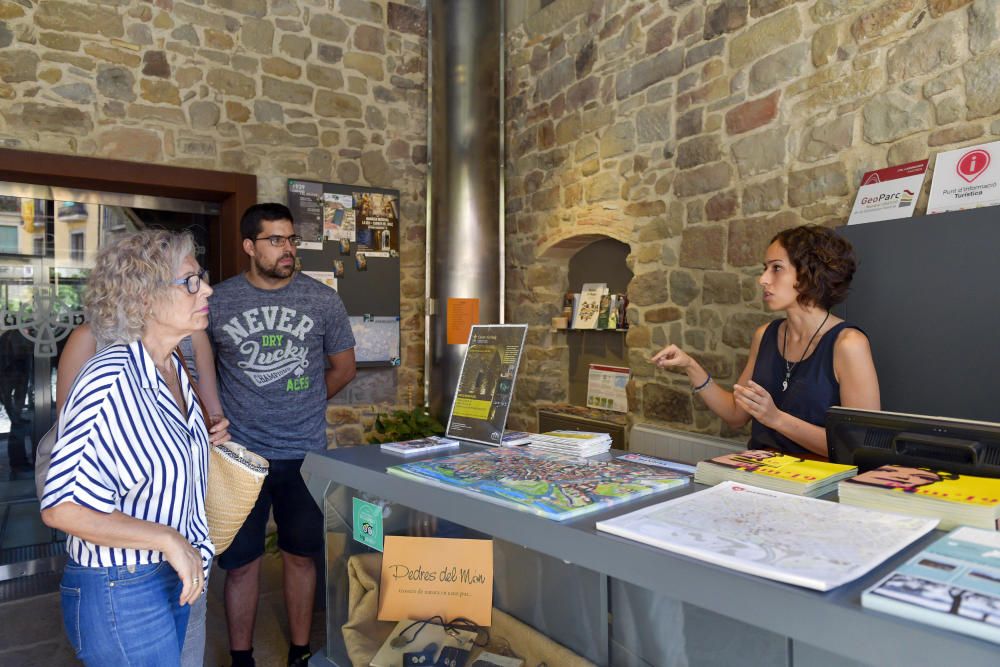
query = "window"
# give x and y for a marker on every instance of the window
(77, 246)
(38, 245)
(8, 238)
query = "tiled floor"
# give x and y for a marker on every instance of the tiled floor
(31, 633)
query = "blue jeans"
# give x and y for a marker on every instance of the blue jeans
(193, 653)
(125, 615)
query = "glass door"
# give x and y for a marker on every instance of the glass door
(49, 239)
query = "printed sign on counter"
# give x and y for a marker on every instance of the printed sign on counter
(966, 178)
(890, 193)
(367, 523)
(486, 383)
(424, 577)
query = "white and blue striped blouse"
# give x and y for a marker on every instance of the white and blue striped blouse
(124, 445)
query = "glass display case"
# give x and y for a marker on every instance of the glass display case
(609, 600)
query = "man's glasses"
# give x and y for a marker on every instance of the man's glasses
(193, 282)
(278, 241)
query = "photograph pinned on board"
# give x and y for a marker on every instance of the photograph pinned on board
(345, 246)
(361, 261)
(338, 216)
(338, 268)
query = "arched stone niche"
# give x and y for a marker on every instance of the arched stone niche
(570, 262)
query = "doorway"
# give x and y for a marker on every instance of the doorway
(49, 239)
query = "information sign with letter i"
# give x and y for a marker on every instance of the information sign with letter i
(966, 178)
(486, 383)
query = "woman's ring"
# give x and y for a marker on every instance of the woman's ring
(195, 581)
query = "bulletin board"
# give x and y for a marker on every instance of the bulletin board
(350, 242)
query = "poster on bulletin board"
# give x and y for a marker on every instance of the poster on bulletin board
(350, 242)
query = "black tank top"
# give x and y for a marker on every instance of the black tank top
(812, 388)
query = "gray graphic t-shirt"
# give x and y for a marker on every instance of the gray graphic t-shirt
(270, 351)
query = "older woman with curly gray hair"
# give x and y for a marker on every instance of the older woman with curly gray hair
(128, 471)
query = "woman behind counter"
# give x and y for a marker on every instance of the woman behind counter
(803, 364)
(128, 470)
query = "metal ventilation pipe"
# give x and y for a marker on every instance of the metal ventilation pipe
(465, 257)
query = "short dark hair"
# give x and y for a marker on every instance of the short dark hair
(824, 264)
(252, 217)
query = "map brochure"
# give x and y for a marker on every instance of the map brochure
(954, 499)
(486, 383)
(658, 462)
(515, 438)
(772, 470)
(417, 446)
(806, 542)
(548, 485)
(954, 584)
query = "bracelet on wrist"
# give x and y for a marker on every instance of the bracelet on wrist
(703, 385)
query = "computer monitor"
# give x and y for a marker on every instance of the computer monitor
(870, 439)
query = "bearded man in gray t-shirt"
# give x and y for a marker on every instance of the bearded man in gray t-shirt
(283, 346)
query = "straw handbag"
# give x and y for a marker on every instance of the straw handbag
(235, 476)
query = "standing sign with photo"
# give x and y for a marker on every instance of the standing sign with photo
(486, 383)
(338, 217)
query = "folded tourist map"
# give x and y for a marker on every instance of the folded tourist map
(803, 541)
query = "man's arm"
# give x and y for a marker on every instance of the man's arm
(341, 371)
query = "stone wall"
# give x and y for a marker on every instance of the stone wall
(696, 130)
(330, 90)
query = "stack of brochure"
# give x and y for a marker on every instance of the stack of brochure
(955, 499)
(426, 445)
(570, 443)
(802, 541)
(770, 470)
(952, 584)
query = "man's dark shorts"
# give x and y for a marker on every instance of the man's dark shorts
(299, 519)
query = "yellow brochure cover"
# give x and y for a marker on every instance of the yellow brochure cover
(781, 466)
(936, 484)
